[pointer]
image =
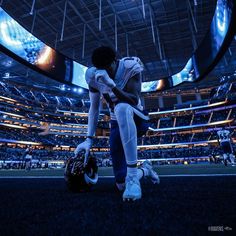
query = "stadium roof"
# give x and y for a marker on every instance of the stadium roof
(178, 25)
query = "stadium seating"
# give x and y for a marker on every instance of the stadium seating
(185, 133)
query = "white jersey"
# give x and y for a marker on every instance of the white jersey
(224, 135)
(127, 68)
(28, 157)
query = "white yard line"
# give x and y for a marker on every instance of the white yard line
(110, 176)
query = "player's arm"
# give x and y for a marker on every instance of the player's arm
(92, 125)
(93, 112)
(94, 96)
(131, 92)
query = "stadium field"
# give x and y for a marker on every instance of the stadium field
(178, 206)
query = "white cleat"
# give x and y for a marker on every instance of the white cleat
(150, 172)
(132, 189)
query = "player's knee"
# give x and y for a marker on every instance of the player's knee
(122, 107)
(123, 112)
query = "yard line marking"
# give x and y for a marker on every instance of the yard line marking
(183, 175)
(31, 177)
(197, 175)
(110, 176)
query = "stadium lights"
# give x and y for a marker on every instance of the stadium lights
(28, 143)
(20, 142)
(7, 75)
(186, 144)
(191, 126)
(9, 99)
(45, 56)
(62, 87)
(187, 109)
(13, 126)
(80, 90)
(77, 113)
(11, 114)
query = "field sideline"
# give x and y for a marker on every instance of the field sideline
(163, 171)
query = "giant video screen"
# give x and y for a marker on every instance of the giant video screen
(209, 52)
(26, 47)
(22, 45)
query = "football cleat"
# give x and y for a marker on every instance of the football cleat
(150, 173)
(132, 189)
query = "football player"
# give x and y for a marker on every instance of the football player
(119, 82)
(28, 159)
(224, 138)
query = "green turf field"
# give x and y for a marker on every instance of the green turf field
(201, 169)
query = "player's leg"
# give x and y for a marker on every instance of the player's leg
(128, 133)
(119, 162)
(232, 159)
(225, 157)
(118, 156)
(145, 169)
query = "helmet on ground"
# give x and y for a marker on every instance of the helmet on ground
(80, 178)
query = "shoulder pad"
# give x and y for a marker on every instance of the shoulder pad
(129, 62)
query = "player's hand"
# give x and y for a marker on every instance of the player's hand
(102, 77)
(84, 146)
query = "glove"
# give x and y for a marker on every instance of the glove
(84, 146)
(102, 77)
